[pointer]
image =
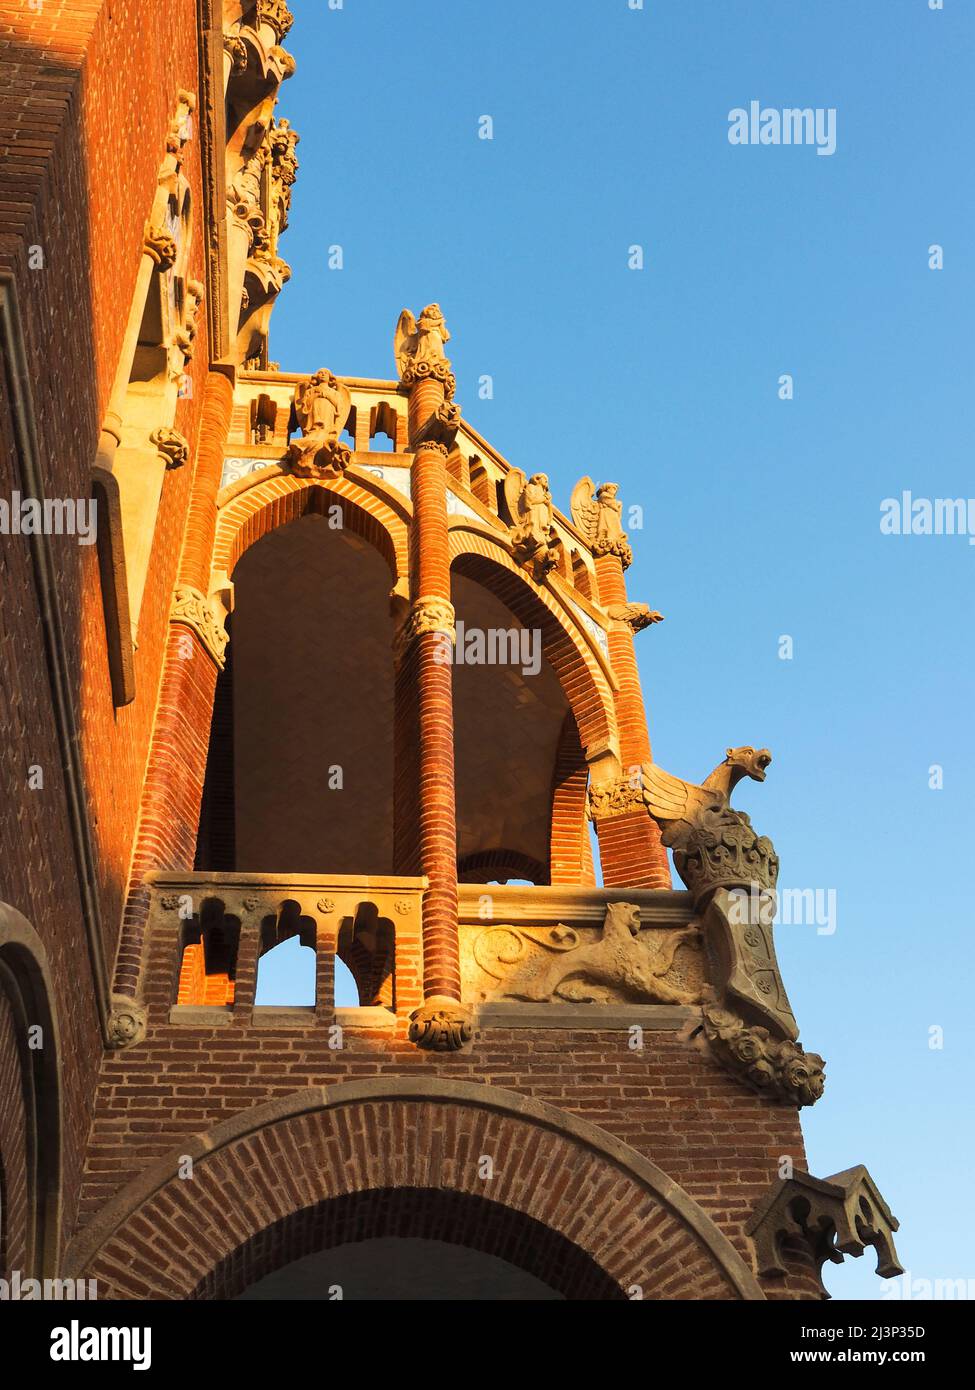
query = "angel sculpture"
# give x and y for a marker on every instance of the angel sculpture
(533, 532)
(418, 344)
(600, 517)
(322, 409)
(679, 807)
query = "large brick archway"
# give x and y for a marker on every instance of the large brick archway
(276, 1182)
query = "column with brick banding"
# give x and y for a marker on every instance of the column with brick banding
(173, 790)
(441, 1022)
(630, 850)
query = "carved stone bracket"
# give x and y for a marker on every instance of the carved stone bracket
(441, 1025)
(618, 798)
(194, 610)
(426, 615)
(831, 1217)
(173, 447)
(777, 1067)
(308, 457)
(636, 616)
(127, 1022)
(160, 246)
(439, 430)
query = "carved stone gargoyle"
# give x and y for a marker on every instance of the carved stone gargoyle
(732, 872)
(535, 541)
(830, 1217)
(322, 409)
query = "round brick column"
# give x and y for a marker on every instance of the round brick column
(426, 639)
(170, 810)
(629, 842)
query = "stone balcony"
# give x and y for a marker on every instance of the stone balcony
(535, 957)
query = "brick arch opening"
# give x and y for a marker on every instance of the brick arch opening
(480, 559)
(255, 510)
(431, 1214)
(258, 1170)
(30, 1103)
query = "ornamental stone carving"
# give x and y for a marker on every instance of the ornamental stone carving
(830, 1217)
(276, 14)
(439, 430)
(426, 615)
(636, 616)
(127, 1022)
(160, 246)
(534, 539)
(618, 798)
(418, 346)
(193, 609)
(598, 515)
(622, 963)
(322, 406)
(441, 1025)
(777, 1067)
(172, 446)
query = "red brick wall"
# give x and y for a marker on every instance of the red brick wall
(90, 88)
(14, 1216)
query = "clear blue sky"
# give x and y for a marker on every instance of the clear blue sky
(762, 515)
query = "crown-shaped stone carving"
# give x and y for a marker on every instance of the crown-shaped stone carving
(723, 851)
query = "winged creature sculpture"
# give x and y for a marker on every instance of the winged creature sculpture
(420, 342)
(679, 807)
(533, 532)
(597, 512)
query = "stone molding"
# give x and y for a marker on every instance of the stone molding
(193, 609)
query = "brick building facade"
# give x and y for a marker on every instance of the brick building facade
(264, 704)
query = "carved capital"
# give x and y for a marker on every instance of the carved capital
(777, 1067)
(193, 609)
(172, 445)
(614, 799)
(417, 371)
(426, 615)
(617, 545)
(441, 1025)
(160, 246)
(636, 616)
(830, 1217)
(126, 1022)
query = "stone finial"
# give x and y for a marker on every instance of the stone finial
(322, 406)
(276, 14)
(441, 1025)
(831, 1217)
(418, 346)
(598, 515)
(535, 541)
